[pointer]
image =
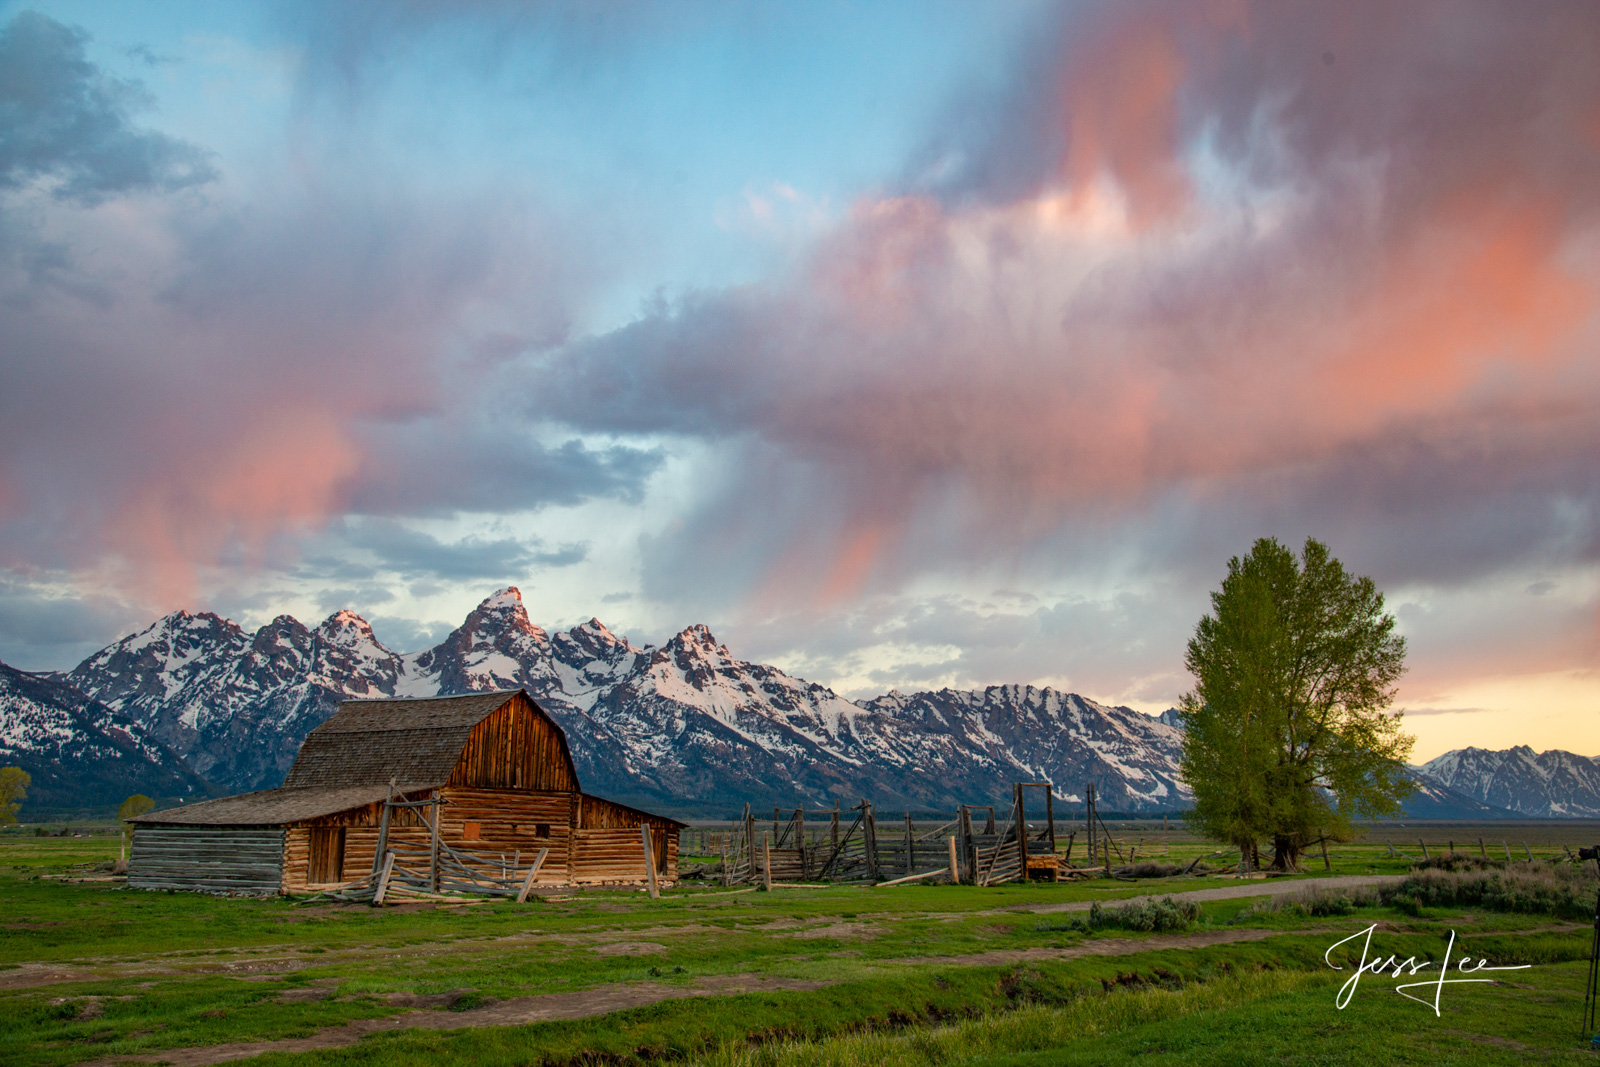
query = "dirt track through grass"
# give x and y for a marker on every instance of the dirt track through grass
(516, 1011)
(284, 960)
(601, 1000)
(1268, 887)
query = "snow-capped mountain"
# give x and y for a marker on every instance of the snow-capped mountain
(1435, 800)
(686, 725)
(1553, 784)
(237, 706)
(80, 753)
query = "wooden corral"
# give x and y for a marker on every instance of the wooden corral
(979, 846)
(471, 792)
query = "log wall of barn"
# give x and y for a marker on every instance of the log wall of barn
(224, 859)
(617, 855)
(510, 824)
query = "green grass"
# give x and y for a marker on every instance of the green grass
(1280, 1017)
(169, 970)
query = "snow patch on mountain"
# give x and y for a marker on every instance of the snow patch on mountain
(1553, 784)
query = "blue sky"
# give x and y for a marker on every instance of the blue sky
(904, 344)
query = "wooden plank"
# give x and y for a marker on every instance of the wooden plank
(913, 878)
(383, 880)
(533, 872)
(649, 860)
(955, 865)
(433, 867)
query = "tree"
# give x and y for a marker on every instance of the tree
(14, 782)
(1287, 732)
(137, 804)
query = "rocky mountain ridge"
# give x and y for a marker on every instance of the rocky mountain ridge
(686, 724)
(80, 753)
(1555, 784)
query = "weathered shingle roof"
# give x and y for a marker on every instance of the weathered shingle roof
(269, 807)
(369, 742)
(421, 713)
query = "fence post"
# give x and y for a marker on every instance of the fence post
(955, 865)
(433, 860)
(869, 829)
(649, 860)
(1088, 818)
(766, 875)
(383, 880)
(800, 829)
(911, 845)
(533, 872)
(383, 832)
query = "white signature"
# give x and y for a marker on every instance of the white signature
(1409, 966)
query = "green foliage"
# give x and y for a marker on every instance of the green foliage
(134, 806)
(1146, 916)
(1287, 736)
(14, 782)
(1457, 861)
(1566, 892)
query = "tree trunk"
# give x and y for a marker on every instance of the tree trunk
(1286, 851)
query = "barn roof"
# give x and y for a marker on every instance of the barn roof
(268, 807)
(353, 757)
(371, 742)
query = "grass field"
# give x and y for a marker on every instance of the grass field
(90, 972)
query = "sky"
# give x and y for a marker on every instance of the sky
(907, 345)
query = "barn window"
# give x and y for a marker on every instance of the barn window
(542, 830)
(472, 830)
(327, 854)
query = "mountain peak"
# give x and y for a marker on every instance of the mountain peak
(503, 612)
(345, 627)
(698, 634)
(597, 632)
(507, 599)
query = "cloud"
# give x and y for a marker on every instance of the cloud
(408, 635)
(45, 624)
(67, 123)
(1182, 258)
(257, 369)
(413, 554)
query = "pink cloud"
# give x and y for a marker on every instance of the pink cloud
(1267, 238)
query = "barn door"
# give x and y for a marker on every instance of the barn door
(327, 854)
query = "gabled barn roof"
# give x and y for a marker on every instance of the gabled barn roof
(415, 743)
(353, 757)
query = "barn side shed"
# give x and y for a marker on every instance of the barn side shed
(493, 769)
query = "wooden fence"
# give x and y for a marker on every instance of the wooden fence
(979, 846)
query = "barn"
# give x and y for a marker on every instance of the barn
(487, 776)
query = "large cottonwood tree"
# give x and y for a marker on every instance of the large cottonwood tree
(1288, 734)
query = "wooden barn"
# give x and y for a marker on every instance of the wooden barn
(486, 776)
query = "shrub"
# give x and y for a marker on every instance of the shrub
(1150, 869)
(1313, 903)
(1146, 916)
(1457, 861)
(1564, 891)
